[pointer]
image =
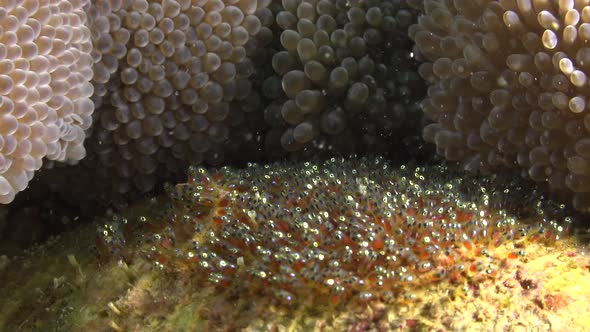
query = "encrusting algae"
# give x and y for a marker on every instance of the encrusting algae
(339, 230)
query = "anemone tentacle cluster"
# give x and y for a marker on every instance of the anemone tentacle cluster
(45, 89)
(344, 75)
(181, 82)
(340, 229)
(171, 80)
(201, 82)
(509, 87)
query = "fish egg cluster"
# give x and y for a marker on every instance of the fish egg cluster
(509, 87)
(340, 229)
(45, 73)
(346, 73)
(172, 87)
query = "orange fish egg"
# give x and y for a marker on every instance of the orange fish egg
(296, 241)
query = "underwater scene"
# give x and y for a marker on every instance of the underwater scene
(294, 165)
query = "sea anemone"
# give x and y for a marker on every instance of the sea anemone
(509, 88)
(344, 76)
(195, 93)
(171, 85)
(45, 72)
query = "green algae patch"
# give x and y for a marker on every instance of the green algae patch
(37, 285)
(61, 285)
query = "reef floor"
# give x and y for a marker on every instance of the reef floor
(62, 285)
